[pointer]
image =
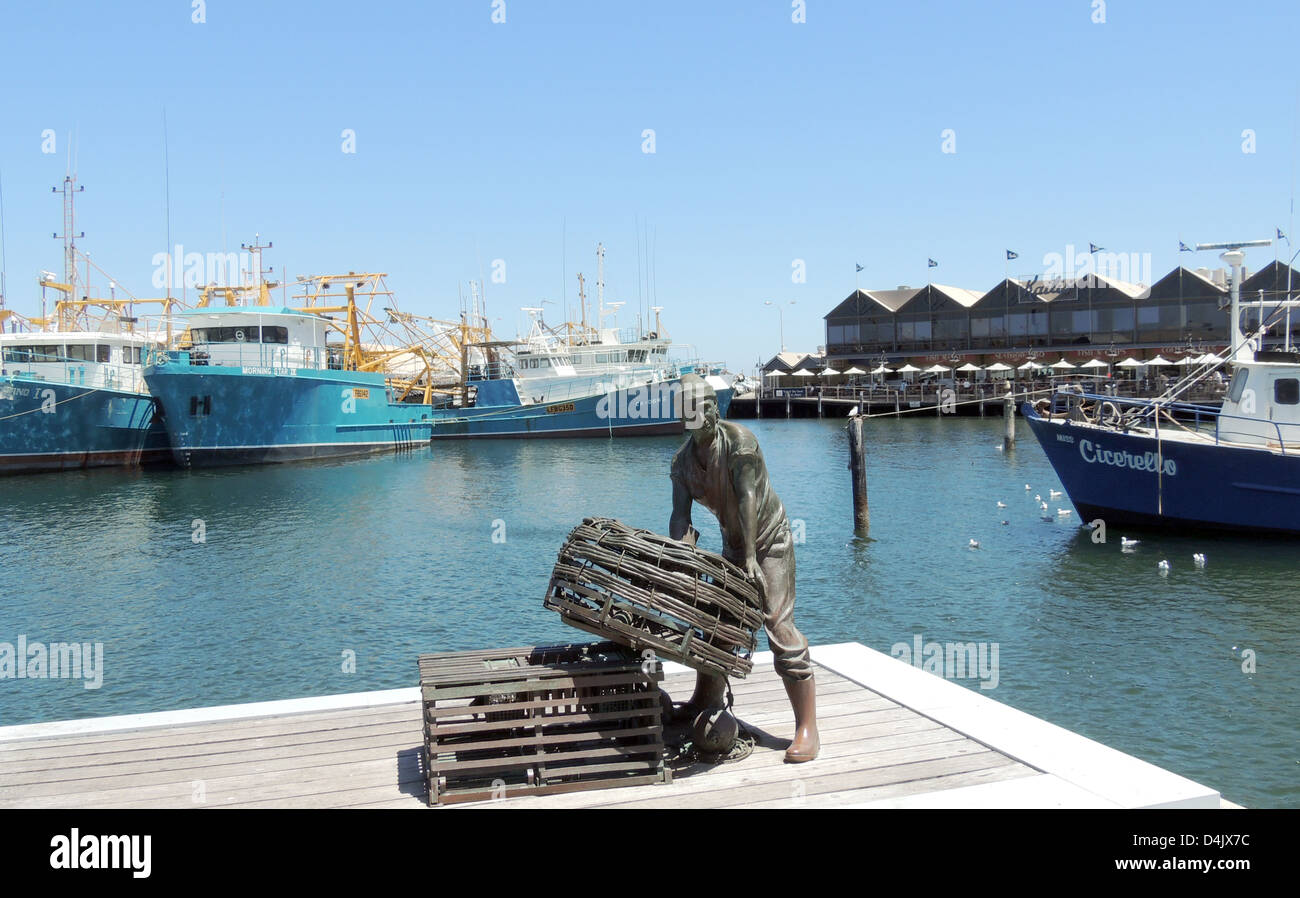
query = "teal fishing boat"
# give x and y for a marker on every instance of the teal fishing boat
(253, 384)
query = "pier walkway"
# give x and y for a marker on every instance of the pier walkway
(892, 736)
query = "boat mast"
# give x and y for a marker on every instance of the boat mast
(600, 284)
(69, 237)
(1234, 257)
(582, 300)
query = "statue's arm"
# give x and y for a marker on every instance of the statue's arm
(679, 525)
(745, 476)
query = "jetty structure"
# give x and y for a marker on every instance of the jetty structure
(893, 736)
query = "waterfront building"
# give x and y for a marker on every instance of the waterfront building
(1186, 311)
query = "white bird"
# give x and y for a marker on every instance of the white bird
(1026, 486)
(1199, 559)
(1038, 497)
(1127, 543)
(974, 544)
(1053, 494)
(854, 412)
(1163, 567)
(1063, 512)
(1006, 522)
(1043, 506)
(1002, 504)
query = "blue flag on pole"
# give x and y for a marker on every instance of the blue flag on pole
(1094, 248)
(1011, 255)
(859, 267)
(930, 263)
(1183, 247)
(1281, 236)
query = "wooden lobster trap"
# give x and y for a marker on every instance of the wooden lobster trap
(644, 590)
(542, 719)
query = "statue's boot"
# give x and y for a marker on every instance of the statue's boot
(710, 692)
(803, 699)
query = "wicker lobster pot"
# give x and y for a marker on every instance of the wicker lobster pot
(647, 591)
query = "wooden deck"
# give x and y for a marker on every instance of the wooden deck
(877, 750)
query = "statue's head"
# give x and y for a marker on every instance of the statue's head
(699, 406)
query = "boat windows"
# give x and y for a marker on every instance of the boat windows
(101, 352)
(1286, 391)
(1238, 385)
(248, 333)
(81, 352)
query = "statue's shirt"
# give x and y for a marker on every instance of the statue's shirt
(713, 484)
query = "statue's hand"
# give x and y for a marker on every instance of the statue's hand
(755, 573)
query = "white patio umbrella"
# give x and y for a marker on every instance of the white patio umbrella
(1159, 360)
(804, 372)
(1209, 359)
(909, 368)
(998, 366)
(1190, 360)
(854, 370)
(1131, 362)
(1029, 366)
(882, 370)
(968, 368)
(828, 371)
(937, 369)
(1094, 363)
(1063, 365)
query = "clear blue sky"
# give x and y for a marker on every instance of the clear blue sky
(775, 141)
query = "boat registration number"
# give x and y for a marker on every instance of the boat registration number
(559, 409)
(360, 392)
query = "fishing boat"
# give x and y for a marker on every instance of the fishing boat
(619, 389)
(72, 391)
(578, 380)
(1167, 463)
(252, 384)
(76, 400)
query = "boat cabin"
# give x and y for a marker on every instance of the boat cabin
(112, 361)
(1263, 400)
(243, 336)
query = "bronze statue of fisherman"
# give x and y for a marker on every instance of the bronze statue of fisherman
(721, 467)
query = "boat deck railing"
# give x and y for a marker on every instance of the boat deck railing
(252, 355)
(1203, 420)
(127, 378)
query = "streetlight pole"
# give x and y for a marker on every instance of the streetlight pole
(780, 318)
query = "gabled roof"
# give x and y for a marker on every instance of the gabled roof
(785, 361)
(1185, 281)
(893, 300)
(1272, 278)
(959, 295)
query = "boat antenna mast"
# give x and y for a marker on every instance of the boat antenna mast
(600, 285)
(1234, 257)
(69, 235)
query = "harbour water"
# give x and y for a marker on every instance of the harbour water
(280, 581)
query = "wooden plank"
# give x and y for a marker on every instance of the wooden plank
(200, 734)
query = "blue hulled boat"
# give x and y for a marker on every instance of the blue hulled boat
(76, 399)
(251, 385)
(1166, 463)
(596, 383)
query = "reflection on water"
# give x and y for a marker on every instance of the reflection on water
(252, 583)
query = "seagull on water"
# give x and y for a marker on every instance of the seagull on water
(1163, 567)
(1053, 494)
(1043, 506)
(1002, 504)
(1127, 543)
(1026, 486)
(1063, 512)
(1199, 558)
(974, 544)
(1038, 497)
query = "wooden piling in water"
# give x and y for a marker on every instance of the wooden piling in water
(1009, 412)
(858, 465)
